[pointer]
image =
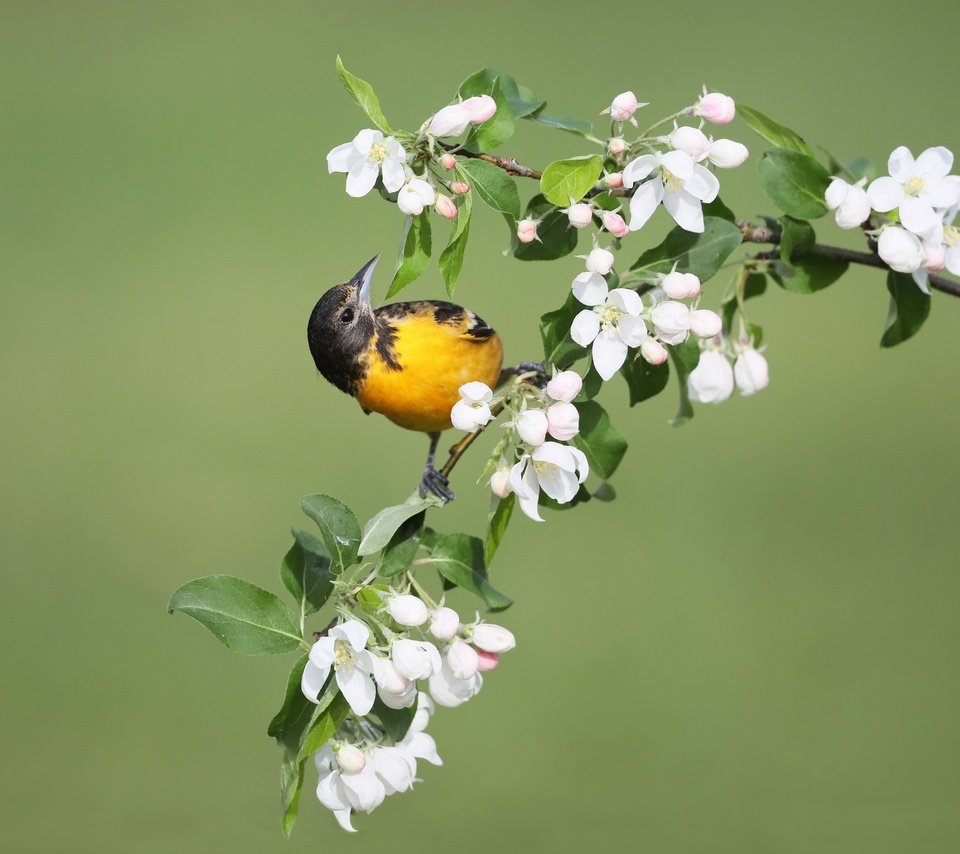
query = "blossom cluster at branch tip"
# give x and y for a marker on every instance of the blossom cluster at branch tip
(453, 120)
(362, 764)
(367, 157)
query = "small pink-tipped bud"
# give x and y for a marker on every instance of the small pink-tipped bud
(444, 624)
(727, 154)
(446, 207)
(653, 352)
(480, 108)
(614, 180)
(493, 638)
(487, 661)
(680, 285)
(934, 258)
(462, 659)
(623, 106)
(448, 161)
(600, 261)
(351, 759)
(408, 610)
(616, 145)
(580, 215)
(527, 230)
(460, 188)
(614, 223)
(500, 483)
(717, 108)
(563, 421)
(705, 323)
(565, 386)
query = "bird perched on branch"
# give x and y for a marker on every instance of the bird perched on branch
(405, 360)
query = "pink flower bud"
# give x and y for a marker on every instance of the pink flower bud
(565, 386)
(580, 215)
(487, 661)
(934, 258)
(727, 154)
(448, 161)
(680, 285)
(351, 759)
(527, 230)
(493, 638)
(563, 421)
(500, 483)
(690, 140)
(532, 427)
(452, 120)
(653, 352)
(408, 610)
(459, 188)
(616, 145)
(614, 223)
(446, 207)
(705, 323)
(480, 108)
(600, 261)
(462, 659)
(615, 180)
(444, 623)
(717, 108)
(623, 106)
(751, 372)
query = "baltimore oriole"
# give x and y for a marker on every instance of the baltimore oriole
(405, 360)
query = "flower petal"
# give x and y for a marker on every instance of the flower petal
(583, 467)
(685, 209)
(590, 289)
(626, 300)
(323, 652)
(935, 163)
(393, 174)
(555, 454)
(885, 194)
(312, 681)
(918, 217)
(341, 158)
(644, 202)
(585, 327)
(422, 746)
(357, 688)
(560, 485)
(836, 193)
(353, 632)
(703, 184)
(679, 163)
(609, 353)
(633, 331)
(361, 178)
(941, 194)
(343, 819)
(922, 278)
(637, 170)
(901, 165)
(365, 787)
(330, 794)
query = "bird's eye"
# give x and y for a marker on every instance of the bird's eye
(347, 316)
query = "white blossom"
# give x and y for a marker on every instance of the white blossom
(472, 411)
(450, 691)
(450, 121)
(500, 482)
(350, 758)
(446, 207)
(408, 610)
(480, 108)
(674, 179)
(614, 223)
(653, 352)
(850, 202)
(532, 426)
(680, 285)
(394, 689)
(723, 153)
(711, 381)
(705, 323)
(415, 195)
(444, 623)
(580, 214)
(565, 386)
(612, 324)
(751, 372)
(493, 638)
(415, 659)
(671, 321)
(462, 659)
(556, 469)
(600, 261)
(344, 651)
(344, 792)
(716, 107)
(487, 661)
(623, 107)
(366, 157)
(900, 249)
(563, 421)
(527, 230)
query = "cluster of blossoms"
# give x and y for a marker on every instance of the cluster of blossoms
(920, 199)
(528, 463)
(409, 642)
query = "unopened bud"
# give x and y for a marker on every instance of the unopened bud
(623, 106)
(351, 759)
(680, 285)
(600, 261)
(527, 230)
(408, 610)
(446, 207)
(532, 426)
(462, 660)
(615, 180)
(580, 215)
(563, 421)
(653, 352)
(614, 223)
(493, 638)
(487, 661)
(934, 258)
(500, 483)
(616, 145)
(448, 161)
(444, 623)
(705, 323)
(565, 386)
(460, 188)
(480, 108)
(751, 372)
(728, 154)
(690, 140)
(717, 108)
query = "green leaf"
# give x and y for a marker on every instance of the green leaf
(328, 715)
(702, 254)
(557, 237)
(796, 237)
(451, 259)
(602, 443)
(396, 722)
(547, 503)
(339, 528)
(795, 182)
(909, 307)
(566, 181)
(362, 92)
(459, 559)
(402, 548)
(498, 128)
(521, 100)
(684, 357)
(772, 131)
(559, 349)
(305, 572)
(808, 274)
(643, 379)
(497, 524)
(577, 126)
(381, 528)
(288, 727)
(243, 617)
(718, 209)
(414, 252)
(493, 186)
(592, 383)
(605, 492)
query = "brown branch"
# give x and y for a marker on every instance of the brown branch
(507, 164)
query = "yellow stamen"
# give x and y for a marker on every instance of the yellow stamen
(671, 183)
(378, 152)
(914, 185)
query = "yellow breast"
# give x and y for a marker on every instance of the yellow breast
(434, 359)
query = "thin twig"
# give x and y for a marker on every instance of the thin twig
(507, 164)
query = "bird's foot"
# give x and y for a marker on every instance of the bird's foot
(436, 483)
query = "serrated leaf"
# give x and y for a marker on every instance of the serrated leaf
(909, 309)
(602, 443)
(643, 379)
(557, 237)
(497, 523)
(451, 259)
(702, 254)
(795, 182)
(773, 131)
(416, 244)
(243, 617)
(459, 559)
(339, 528)
(685, 358)
(569, 180)
(559, 349)
(305, 572)
(492, 185)
(362, 92)
(381, 527)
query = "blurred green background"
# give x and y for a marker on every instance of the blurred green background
(753, 650)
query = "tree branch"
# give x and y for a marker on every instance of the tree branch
(507, 164)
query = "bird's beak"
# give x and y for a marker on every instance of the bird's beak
(365, 277)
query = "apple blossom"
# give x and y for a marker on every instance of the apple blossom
(680, 285)
(492, 638)
(565, 386)
(556, 469)
(711, 381)
(451, 120)
(527, 230)
(487, 661)
(623, 107)
(500, 482)
(446, 207)
(691, 140)
(850, 202)
(350, 758)
(408, 610)
(393, 688)
(751, 372)
(671, 322)
(677, 181)
(563, 421)
(416, 742)
(716, 108)
(727, 153)
(600, 261)
(472, 411)
(344, 651)
(614, 223)
(723, 153)
(415, 659)
(447, 690)
(580, 214)
(448, 161)
(611, 325)
(614, 180)
(343, 792)
(653, 352)
(480, 108)
(444, 623)
(396, 767)
(459, 188)
(366, 157)
(462, 659)
(415, 195)
(900, 249)
(532, 426)
(616, 145)
(705, 323)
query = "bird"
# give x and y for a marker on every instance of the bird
(405, 360)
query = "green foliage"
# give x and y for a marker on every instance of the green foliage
(909, 308)
(684, 357)
(339, 529)
(702, 254)
(497, 129)
(566, 181)
(305, 572)
(559, 349)
(362, 92)
(772, 131)
(577, 126)
(808, 274)
(557, 238)
(795, 182)
(414, 252)
(243, 617)
(520, 99)
(497, 522)
(395, 722)
(643, 379)
(459, 559)
(402, 548)
(796, 238)
(602, 444)
(493, 186)
(378, 532)
(746, 286)
(451, 259)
